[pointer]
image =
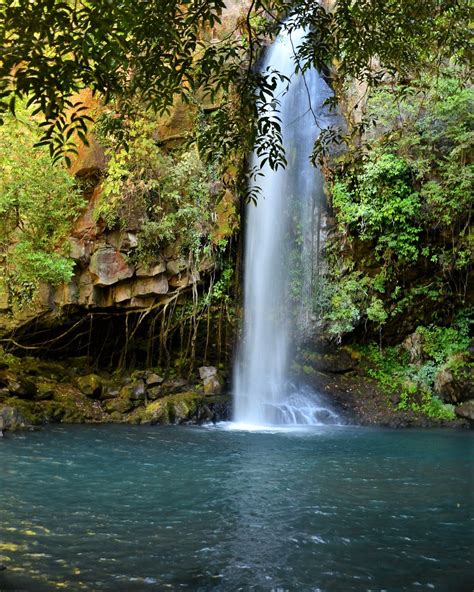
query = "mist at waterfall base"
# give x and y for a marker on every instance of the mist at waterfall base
(135, 508)
(282, 247)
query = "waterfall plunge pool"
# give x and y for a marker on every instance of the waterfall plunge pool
(127, 508)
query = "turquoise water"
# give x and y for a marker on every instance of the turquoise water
(185, 508)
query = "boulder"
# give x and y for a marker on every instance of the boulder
(173, 409)
(455, 386)
(11, 419)
(175, 266)
(150, 270)
(122, 292)
(19, 387)
(80, 250)
(207, 372)
(174, 386)
(153, 379)
(154, 393)
(90, 385)
(108, 266)
(466, 410)
(122, 240)
(135, 391)
(211, 383)
(45, 390)
(150, 286)
(118, 406)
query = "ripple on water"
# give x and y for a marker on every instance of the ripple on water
(222, 508)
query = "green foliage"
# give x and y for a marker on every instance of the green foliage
(382, 206)
(403, 206)
(414, 380)
(38, 204)
(167, 197)
(157, 50)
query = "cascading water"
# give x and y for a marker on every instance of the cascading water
(282, 255)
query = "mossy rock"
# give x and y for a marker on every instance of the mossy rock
(31, 411)
(11, 418)
(45, 390)
(172, 409)
(90, 385)
(118, 405)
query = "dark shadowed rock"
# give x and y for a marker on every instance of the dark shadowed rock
(17, 386)
(174, 386)
(466, 410)
(455, 386)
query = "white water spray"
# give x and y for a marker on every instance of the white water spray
(282, 254)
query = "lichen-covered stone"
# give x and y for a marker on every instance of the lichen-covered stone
(174, 385)
(119, 405)
(90, 385)
(155, 392)
(153, 379)
(17, 385)
(135, 391)
(212, 384)
(11, 419)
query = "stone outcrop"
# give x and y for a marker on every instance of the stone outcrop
(35, 392)
(212, 385)
(11, 419)
(454, 385)
(466, 410)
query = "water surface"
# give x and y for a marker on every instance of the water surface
(145, 508)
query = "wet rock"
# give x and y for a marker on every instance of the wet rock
(154, 393)
(135, 391)
(466, 410)
(172, 409)
(108, 266)
(11, 419)
(212, 384)
(90, 385)
(45, 390)
(455, 385)
(119, 405)
(153, 379)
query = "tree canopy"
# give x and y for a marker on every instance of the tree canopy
(155, 50)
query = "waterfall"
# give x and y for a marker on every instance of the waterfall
(282, 255)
